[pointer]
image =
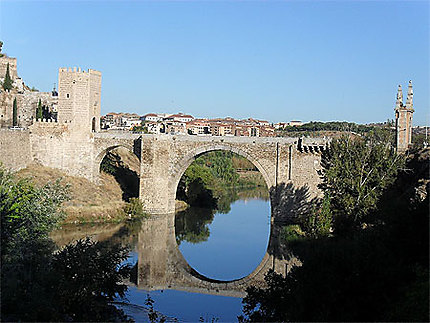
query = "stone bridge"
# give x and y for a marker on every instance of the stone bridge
(164, 159)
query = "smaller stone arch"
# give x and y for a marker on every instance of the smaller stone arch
(93, 124)
(102, 153)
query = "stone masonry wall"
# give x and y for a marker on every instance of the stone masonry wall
(79, 98)
(12, 67)
(57, 145)
(14, 149)
(27, 103)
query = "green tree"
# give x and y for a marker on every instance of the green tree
(77, 283)
(7, 83)
(88, 277)
(355, 174)
(39, 111)
(377, 274)
(319, 222)
(14, 113)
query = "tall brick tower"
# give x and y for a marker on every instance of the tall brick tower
(79, 95)
(404, 119)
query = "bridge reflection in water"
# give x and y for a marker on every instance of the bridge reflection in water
(161, 265)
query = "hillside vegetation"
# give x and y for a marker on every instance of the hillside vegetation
(212, 176)
(89, 202)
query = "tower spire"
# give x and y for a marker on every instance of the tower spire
(404, 120)
(399, 102)
(409, 103)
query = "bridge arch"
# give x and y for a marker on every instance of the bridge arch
(103, 152)
(181, 166)
(187, 270)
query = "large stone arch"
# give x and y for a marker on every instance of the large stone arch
(187, 271)
(180, 167)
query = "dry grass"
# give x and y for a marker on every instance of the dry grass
(128, 158)
(89, 202)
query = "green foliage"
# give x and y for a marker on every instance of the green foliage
(377, 274)
(110, 163)
(419, 140)
(77, 283)
(140, 129)
(319, 222)
(240, 162)
(88, 278)
(355, 174)
(191, 225)
(7, 83)
(128, 179)
(292, 233)
(153, 315)
(329, 126)
(267, 304)
(14, 113)
(207, 180)
(134, 208)
(27, 212)
(39, 112)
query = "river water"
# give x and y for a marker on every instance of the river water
(224, 245)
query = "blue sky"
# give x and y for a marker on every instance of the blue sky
(273, 60)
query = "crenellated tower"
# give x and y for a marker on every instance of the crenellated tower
(79, 95)
(404, 119)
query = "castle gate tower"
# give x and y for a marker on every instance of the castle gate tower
(79, 98)
(404, 119)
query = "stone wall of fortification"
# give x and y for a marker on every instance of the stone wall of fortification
(58, 145)
(12, 67)
(14, 149)
(50, 144)
(26, 106)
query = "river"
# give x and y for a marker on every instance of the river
(223, 245)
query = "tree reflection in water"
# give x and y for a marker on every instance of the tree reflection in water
(192, 225)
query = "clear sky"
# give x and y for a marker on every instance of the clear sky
(273, 60)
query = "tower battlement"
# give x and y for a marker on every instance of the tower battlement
(78, 70)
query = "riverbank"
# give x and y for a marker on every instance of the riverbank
(89, 202)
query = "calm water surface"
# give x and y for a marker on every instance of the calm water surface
(223, 246)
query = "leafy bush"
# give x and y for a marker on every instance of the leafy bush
(134, 208)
